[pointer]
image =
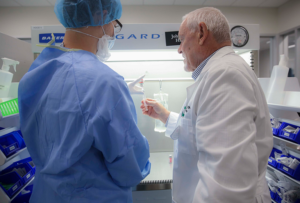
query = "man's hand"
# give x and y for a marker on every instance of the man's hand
(155, 110)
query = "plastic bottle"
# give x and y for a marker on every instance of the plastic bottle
(162, 98)
(277, 81)
(6, 76)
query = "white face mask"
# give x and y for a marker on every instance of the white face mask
(105, 43)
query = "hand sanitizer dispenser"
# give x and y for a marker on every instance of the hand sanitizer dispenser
(277, 81)
(6, 76)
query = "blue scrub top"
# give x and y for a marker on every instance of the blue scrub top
(80, 126)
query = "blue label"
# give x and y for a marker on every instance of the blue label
(47, 37)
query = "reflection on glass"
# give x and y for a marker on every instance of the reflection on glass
(265, 65)
(291, 54)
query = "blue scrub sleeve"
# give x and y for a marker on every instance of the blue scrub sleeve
(125, 149)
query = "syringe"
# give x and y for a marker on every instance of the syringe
(144, 96)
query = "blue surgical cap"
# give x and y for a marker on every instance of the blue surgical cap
(82, 13)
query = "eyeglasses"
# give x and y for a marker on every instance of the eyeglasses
(118, 26)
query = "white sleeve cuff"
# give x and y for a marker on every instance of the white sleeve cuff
(172, 122)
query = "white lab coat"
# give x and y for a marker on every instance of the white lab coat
(223, 141)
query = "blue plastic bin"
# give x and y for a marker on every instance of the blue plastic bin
(271, 160)
(11, 143)
(11, 178)
(289, 136)
(287, 170)
(276, 130)
(29, 161)
(25, 163)
(273, 195)
(24, 198)
(19, 136)
(20, 133)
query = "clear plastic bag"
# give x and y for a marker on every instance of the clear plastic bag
(161, 98)
(289, 129)
(291, 196)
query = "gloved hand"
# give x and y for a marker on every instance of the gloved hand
(155, 110)
(135, 89)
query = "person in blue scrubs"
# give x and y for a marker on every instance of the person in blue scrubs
(77, 116)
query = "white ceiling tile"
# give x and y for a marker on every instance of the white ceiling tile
(189, 2)
(158, 2)
(52, 2)
(132, 2)
(33, 2)
(248, 3)
(8, 3)
(219, 2)
(273, 3)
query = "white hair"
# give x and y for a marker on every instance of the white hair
(215, 21)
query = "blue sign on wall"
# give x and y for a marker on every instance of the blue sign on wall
(46, 37)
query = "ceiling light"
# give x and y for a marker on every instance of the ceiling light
(291, 46)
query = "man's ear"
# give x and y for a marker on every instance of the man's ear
(203, 33)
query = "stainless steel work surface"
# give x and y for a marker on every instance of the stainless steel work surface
(161, 175)
(161, 169)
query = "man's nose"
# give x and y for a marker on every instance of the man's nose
(179, 50)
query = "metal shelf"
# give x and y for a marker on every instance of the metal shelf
(7, 117)
(288, 143)
(22, 189)
(292, 179)
(282, 107)
(8, 130)
(2, 156)
(8, 121)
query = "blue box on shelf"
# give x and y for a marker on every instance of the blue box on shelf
(30, 162)
(271, 160)
(278, 199)
(20, 133)
(13, 180)
(273, 195)
(24, 198)
(11, 143)
(276, 130)
(25, 164)
(287, 170)
(288, 135)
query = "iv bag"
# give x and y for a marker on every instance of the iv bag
(162, 98)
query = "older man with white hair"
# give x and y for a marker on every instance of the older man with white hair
(222, 135)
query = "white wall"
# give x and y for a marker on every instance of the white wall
(16, 21)
(266, 17)
(289, 15)
(17, 50)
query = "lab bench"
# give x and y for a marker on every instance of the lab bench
(157, 186)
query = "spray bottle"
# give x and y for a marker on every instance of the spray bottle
(6, 76)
